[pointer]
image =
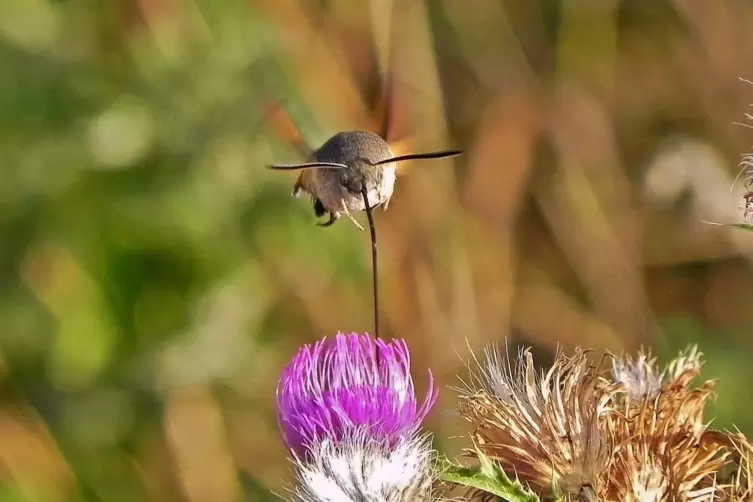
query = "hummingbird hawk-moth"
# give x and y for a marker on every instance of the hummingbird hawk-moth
(353, 170)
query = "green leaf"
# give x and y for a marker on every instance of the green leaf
(742, 226)
(489, 477)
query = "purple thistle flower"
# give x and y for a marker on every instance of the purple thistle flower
(337, 387)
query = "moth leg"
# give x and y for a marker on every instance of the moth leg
(386, 204)
(333, 217)
(350, 216)
(298, 187)
(319, 209)
(355, 222)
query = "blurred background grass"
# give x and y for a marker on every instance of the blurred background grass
(155, 278)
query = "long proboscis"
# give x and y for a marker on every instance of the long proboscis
(374, 261)
(307, 165)
(419, 156)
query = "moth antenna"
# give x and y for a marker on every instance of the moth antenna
(374, 275)
(418, 156)
(307, 165)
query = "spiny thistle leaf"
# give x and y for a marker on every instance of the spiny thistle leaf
(488, 477)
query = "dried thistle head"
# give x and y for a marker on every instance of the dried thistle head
(640, 436)
(684, 368)
(680, 405)
(657, 460)
(639, 477)
(641, 378)
(546, 428)
(739, 482)
(665, 451)
(746, 171)
(674, 403)
(638, 376)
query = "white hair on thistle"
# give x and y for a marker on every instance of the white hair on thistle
(362, 469)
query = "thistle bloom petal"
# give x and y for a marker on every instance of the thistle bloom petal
(337, 386)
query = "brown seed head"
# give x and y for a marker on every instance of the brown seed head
(545, 428)
(658, 459)
(663, 449)
(673, 402)
(739, 475)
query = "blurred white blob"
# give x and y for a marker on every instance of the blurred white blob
(121, 135)
(689, 164)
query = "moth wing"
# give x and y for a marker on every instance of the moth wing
(317, 60)
(285, 127)
(369, 36)
(376, 39)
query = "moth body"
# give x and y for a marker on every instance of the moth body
(338, 191)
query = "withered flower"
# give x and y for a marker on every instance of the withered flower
(641, 377)
(665, 450)
(657, 461)
(638, 437)
(740, 483)
(674, 403)
(546, 428)
(638, 376)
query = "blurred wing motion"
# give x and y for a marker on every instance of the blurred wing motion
(374, 64)
(284, 126)
(361, 41)
(366, 34)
